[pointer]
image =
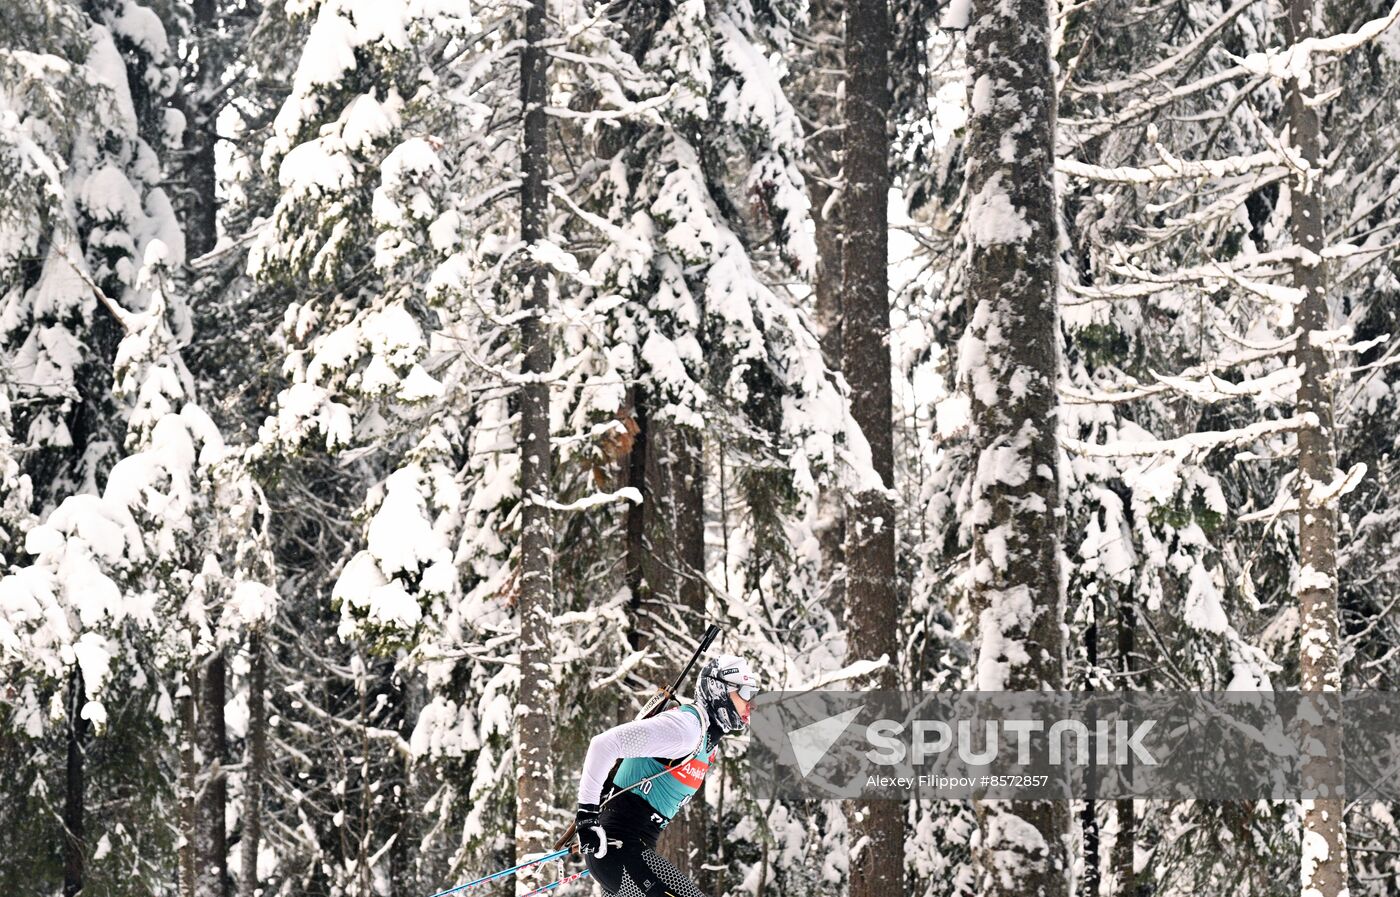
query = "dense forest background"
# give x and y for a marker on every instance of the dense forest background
(394, 389)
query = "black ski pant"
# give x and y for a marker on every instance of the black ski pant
(631, 867)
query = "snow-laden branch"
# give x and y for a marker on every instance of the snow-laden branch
(1255, 351)
(1171, 169)
(626, 493)
(612, 114)
(1210, 273)
(1295, 63)
(858, 670)
(1088, 129)
(1285, 502)
(1286, 499)
(1242, 271)
(1192, 443)
(1205, 387)
(1153, 74)
(1211, 389)
(1342, 482)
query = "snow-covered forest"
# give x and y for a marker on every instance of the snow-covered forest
(393, 390)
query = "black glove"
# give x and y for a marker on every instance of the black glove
(592, 840)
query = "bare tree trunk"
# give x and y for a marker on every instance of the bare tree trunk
(256, 766)
(1011, 353)
(189, 781)
(1124, 855)
(201, 133)
(535, 702)
(872, 612)
(211, 848)
(818, 90)
(207, 852)
(74, 844)
(688, 494)
(680, 501)
(637, 558)
(1324, 864)
(1089, 815)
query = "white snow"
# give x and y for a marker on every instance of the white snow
(992, 219)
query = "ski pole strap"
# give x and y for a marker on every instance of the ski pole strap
(572, 830)
(504, 872)
(554, 884)
(640, 782)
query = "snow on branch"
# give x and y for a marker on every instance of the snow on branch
(1154, 73)
(1171, 169)
(1341, 484)
(613, 114)
(1241, 274)
(854, 671)
(1088, 129)
(627, 493)
(1206, 388)
(1295, 63)
(1192, 443)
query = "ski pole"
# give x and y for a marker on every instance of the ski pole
(504, 872)
(554, 884)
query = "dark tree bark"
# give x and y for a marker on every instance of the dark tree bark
(201, 201)
(256, 766)
(211, 849)
(74, 798)
(1123, 856)
(872, 612)
(678, 535)
(189, 781)
(816, 96)
(1011, 354)
(1324, 869)
(638, 558)
(207, 854)
(1089, 815)
(536, 601)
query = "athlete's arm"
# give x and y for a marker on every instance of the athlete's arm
(675, 733)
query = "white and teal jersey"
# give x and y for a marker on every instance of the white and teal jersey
(669, 791)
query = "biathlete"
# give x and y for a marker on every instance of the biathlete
(666, 757)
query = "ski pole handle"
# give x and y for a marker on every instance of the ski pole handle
(567, 837)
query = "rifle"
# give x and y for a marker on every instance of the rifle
(655, 706)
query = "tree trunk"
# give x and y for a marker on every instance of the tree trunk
(816, 96)
(1324, 863)
(679, 501)
(1009, 361)
(872, 612)
(637, 556)
(1124, 854)
(1089, 815)
(208, 853)
(211, 848)
(535, 702)
(688, 497)
(189, 781)
(256, 766)
(74, 846)
(201, 132)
